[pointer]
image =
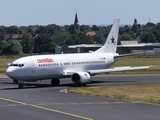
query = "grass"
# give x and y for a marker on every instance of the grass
(4, 60)
(138, 61)
(148, 93)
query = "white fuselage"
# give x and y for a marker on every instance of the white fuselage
(40, 67)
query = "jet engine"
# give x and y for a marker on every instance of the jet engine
(80, 77)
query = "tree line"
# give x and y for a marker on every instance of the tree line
(40, 39)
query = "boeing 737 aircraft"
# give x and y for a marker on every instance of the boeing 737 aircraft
(80, 67)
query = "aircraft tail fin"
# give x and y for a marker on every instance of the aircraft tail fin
(110, 45)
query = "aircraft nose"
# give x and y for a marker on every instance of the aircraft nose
(9, 72)
(15, 73)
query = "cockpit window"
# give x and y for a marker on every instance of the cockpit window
(17, 65)
(21, 65)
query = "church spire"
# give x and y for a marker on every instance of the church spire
(76, 24)
(76, 19)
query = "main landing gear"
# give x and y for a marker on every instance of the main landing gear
(80, 84)
(55, 82)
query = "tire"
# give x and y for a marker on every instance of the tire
(20, 86)
(55, 82)
(15, 81)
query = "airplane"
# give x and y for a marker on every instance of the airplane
(80, 67)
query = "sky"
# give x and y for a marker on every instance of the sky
(90, 12)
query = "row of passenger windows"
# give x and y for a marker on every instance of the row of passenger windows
(73, 63)
(88, 62)
(41, 65)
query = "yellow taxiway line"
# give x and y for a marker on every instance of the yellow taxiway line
(44, 108)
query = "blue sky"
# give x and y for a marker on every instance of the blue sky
(90, 12)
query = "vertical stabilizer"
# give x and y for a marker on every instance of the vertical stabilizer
(110, 45)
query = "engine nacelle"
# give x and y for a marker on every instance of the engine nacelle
(81, 77)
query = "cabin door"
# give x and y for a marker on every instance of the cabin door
(33, 67)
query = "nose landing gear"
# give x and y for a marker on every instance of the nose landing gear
(20, 84)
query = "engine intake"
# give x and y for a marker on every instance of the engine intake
(80, 77)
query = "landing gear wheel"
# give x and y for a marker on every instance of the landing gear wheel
(15, 81)
(82, 84)
(20, 86)
(55, 82)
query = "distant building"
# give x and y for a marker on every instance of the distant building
(91, 33)
(7, 37)
(134, 46)
(125, 48)
(17, 36)
(82, 48)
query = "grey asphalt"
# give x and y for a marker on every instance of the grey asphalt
(41, 101)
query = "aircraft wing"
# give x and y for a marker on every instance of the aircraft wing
(118, 69)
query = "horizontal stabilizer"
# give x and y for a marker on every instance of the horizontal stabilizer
(130, 54)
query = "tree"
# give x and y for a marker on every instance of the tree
(12, 30)
(87, 40)
(1, 45)
(60, 37)
(99, 39)
(70, 41)
(136, 28)
(52, 47)
(147, 37)
(156, 31)
(3, 30)
(27, 44)
(84, 28)
(21, 30)
(41, 44)
(79, 38)
(150, 24)
(41, 30)
(72, 29)
(125, 36)
(127, 29)
(30, 31)
(12, 47)
(50, 29)
(95, 28)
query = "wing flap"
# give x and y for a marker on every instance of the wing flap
(118, 69)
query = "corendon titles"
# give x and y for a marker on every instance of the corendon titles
(46, 60)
